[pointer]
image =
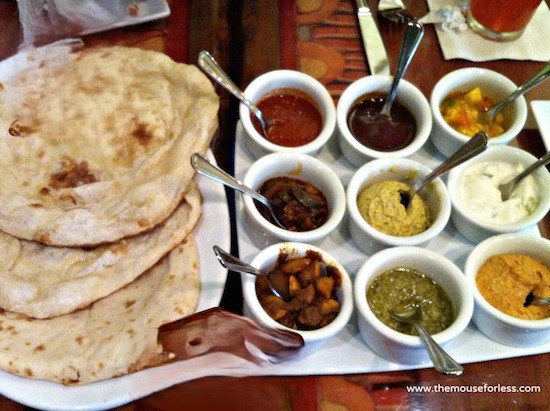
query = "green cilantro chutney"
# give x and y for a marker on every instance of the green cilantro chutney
(401, 286)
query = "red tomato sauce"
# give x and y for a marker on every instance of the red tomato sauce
(295, 116)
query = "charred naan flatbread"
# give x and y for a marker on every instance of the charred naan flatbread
(114, 336)
(97, 147)
(43, 281)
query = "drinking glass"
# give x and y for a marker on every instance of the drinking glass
(500, 20)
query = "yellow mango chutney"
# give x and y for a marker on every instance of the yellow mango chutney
(461, 109)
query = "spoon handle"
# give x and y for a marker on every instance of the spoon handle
(211, 67)
(541, 301)
(545, 159)
(442, 361)
(207, 169)
(473, 147)
(233, 263)
(541, 75)
(413, 34)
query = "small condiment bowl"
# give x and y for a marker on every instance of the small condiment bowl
(289, 79)
(266, 260)
(500, 327)
(494, 85)
(408, 95)
(305, 168)
(389, 343)
(401, 169)
(470, 223)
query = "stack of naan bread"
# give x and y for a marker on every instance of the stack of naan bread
(97, 208)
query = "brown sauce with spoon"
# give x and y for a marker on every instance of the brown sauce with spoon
(379, 132)
(299, 205)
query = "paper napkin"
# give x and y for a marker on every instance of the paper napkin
(46, 21)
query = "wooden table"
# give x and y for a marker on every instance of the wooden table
(249, 37)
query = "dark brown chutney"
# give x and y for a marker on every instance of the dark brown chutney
(404, 286)
(312, 285)
(296, 119)
(299, 206)
(379, 132)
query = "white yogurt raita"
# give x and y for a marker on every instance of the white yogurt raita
(478, 190)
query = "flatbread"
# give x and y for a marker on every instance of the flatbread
(97, 147)
(112, 337)
(44, 281)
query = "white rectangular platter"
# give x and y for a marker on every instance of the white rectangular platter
(541, 110)
(347, 353)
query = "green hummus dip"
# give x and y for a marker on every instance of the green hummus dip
(380, 205)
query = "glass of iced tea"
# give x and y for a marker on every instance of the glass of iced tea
(500, 20)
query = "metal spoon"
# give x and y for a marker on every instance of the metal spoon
(488, 116)
(413, 34)
(473, 147)
(507, 189)
(532, 300)
(211, 67)
(207, 169)
(278, 282)
(443, 362)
